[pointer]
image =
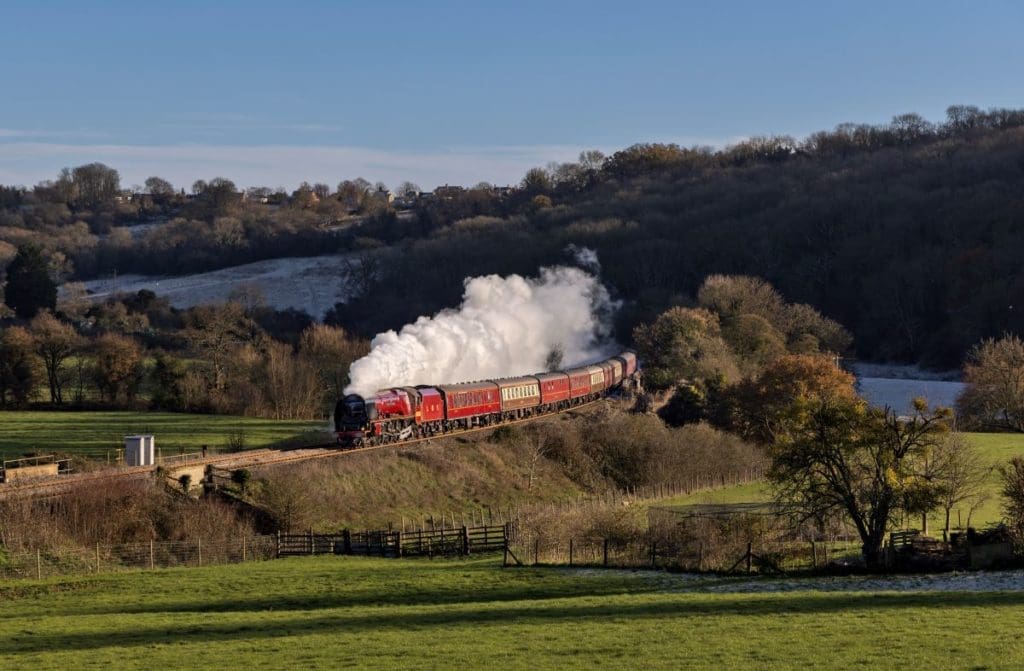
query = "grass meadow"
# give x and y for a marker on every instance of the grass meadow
(995, 449)
(100, 435)
(337, 612)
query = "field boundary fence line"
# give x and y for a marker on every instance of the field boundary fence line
(106, 558)
(693, 555)
(482, 529)
(440, 542)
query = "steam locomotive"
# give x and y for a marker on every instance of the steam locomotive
(404, 413)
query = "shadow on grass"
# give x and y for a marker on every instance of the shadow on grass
(367, 620)
(445, 584)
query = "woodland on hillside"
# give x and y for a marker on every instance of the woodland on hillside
(907, 233)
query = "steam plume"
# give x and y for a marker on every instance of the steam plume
(505, 326)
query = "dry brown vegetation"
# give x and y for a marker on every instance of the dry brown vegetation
(571, 457)
(560, 459)
(114, 512)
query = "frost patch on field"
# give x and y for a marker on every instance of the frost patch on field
(311, 284)
(981, 581)
(1008, 581)
(897, 394)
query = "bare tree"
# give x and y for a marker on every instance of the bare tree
(994, 396)
(331, 352)
(117, 369)
(158, 186)
(408, 189)
(960, 475)
(55, 342)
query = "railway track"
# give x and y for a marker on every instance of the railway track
(249, 459)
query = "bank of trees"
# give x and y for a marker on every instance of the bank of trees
(748, 363)
(903, 232)
(141, 353)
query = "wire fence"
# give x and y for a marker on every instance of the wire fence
(133, 556)
(652, 551)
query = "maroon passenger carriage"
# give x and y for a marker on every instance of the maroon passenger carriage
(403, 413)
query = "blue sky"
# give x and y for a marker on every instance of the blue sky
(276, 93)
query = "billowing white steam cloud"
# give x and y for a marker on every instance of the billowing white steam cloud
(505, 326)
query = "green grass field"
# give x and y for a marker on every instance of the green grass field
(995, 449)
(99, 434)
(333, 612)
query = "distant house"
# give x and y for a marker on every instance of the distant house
(261, 198)
(383, 195)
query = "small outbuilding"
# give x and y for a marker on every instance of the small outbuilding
(139, 451)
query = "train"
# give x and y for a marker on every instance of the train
(408, 413)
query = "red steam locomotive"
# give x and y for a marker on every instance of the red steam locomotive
(403, 413)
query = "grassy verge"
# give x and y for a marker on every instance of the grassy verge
(326, 613)
(101, 434)
(995, 449)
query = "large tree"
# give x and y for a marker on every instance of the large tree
(865, 463)
(30, 288)
(158, 186)
(54, 342)
(117, 369)
(683, 344)
(783, 396)
(95, 184)
(994, 396)
(331, 352)
(18, 367)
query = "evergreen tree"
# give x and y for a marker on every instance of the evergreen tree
(29, 285)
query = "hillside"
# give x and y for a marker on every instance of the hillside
(555, 460)
(908, 234)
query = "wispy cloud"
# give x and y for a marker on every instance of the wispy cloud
(279, 165)
(232, 121)
(19, 132)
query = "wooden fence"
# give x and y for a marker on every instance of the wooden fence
(442, 542)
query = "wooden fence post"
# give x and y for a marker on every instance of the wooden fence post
(152, 555)
(570, 551)
(278, 543)
(346, 541)
(97, 557)
(654, 554)
(536, 550)
(243, 547)
(312, 548)
(465, 541)
(39, 565)
(700, 557)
